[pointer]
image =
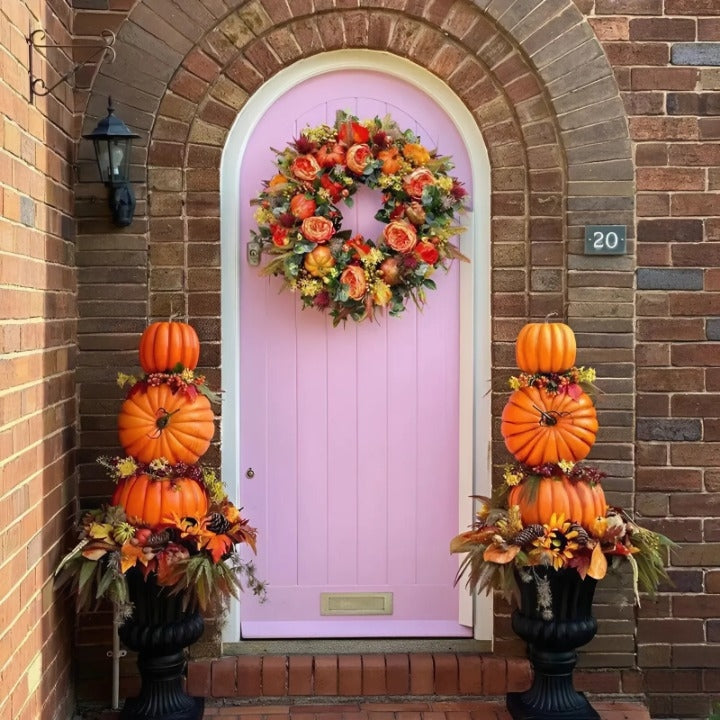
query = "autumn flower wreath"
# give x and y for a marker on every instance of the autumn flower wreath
(301, 228)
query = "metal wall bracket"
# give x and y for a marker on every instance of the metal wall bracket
(103, 49)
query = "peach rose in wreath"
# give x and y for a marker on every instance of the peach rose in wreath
(358, 157)
(414, 183)
(302, 206)
(317, 229)
(400, 236)
(305, 167)
(354, 277)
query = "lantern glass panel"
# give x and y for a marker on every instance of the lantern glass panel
(113, 159)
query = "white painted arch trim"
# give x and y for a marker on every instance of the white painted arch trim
(475, 281)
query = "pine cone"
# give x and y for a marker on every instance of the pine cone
(158, 539)
(528, 534)
(582, 534)
(218, 523)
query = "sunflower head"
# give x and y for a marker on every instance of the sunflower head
(559, 542)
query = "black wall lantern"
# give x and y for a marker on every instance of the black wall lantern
(113, 142)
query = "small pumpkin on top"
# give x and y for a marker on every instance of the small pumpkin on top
(167, 345)
(546, 347)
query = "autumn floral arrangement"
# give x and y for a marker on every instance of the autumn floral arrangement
(550, 510)
(300, 225)
(169, 516)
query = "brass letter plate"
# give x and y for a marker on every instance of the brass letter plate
(356, 603)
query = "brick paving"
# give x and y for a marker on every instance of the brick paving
(465, 710)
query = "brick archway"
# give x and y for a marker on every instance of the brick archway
(558, 138)
(558, 143)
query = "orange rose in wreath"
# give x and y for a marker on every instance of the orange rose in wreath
(400, 236)
(317, 229)
(354, 277)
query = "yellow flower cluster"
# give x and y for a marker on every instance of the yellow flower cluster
(444, 182)
(372, 258)
(512, 476)
(309, 287)
(263, 216)
(159, 465)
(126, 467)
(214, 486)
(586, 375)
(381, 293)
(320, 134)
(124, 379)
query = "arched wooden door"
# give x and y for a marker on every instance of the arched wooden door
(352, 433)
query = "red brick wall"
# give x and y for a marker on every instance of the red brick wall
(649, 321)
(38, 317)
(674, 117)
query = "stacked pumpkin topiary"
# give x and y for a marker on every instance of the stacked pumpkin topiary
(169, 515)
(551, 510)
(549, 423)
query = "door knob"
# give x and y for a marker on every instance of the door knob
(250, 473)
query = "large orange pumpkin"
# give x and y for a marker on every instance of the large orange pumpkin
(581, 502)
(148, 501)
(540, 427)
(165, 345)
(545, 347)
(154, 423)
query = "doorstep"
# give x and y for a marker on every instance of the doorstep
(411, 710)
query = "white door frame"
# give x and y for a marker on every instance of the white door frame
(475, 283)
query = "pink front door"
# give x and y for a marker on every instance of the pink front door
(351, 432)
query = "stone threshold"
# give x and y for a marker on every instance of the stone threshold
(411, 710)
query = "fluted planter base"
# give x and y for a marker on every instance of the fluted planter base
(553, 632)
(552, 695)
(158, 631)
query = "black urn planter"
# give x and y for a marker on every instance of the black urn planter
(159, 630)
(554, 618)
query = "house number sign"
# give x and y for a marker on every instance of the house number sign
(605, 239)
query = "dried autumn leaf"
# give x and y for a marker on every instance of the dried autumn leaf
(499, 554)
(129, 555)
(598, 564)
(464, 541)
(94, 551)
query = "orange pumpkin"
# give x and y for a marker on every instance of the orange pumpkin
(154, 423)
(319, 261)
(164, 345)
(581, 502)
(545, 347)
(149, 502)
(540, 427)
